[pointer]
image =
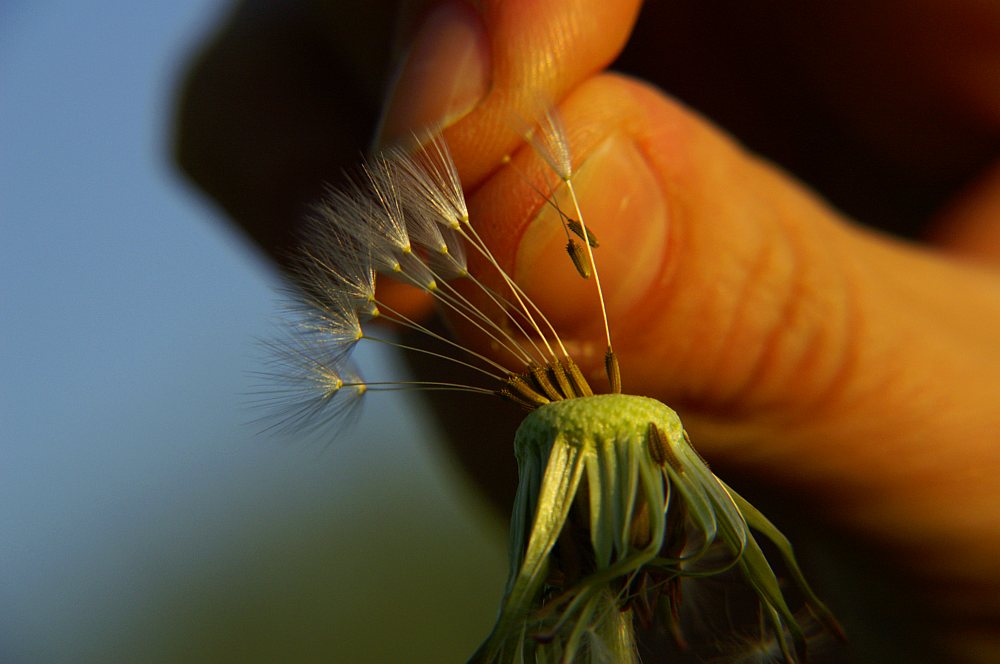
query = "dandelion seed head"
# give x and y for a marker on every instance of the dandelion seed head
(614, 506)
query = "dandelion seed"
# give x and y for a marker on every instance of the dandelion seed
(614, 507)
(335, 267)
(579, 258)
(583, 233)
(333, 322)
(314, 386)
(430, 182)
(548, 138)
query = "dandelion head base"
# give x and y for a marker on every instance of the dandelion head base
(614, 509)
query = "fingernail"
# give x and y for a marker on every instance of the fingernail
(443, 76)
(623, 205)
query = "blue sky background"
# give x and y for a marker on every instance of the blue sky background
(141, 517)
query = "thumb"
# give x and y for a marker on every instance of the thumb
(792, 342)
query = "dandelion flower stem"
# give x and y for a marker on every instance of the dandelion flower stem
(424, 385)
(397, 317)
(460, 303)
(520, 296)
(590, 257)
(425, 351)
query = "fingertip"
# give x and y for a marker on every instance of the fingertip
(539, 51)
(444, 74)
(623, 198)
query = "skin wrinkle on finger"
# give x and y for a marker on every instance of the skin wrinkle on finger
(897, 461)
(888, 396)
(811, 302)
(707, 237)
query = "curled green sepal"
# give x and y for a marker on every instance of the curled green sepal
(614, 507)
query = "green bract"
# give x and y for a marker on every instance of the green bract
(613, 508)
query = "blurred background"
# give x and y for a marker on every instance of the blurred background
(143, 517)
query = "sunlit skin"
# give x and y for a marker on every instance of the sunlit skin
(850, 369)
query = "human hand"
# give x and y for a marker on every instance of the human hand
(842, 365)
